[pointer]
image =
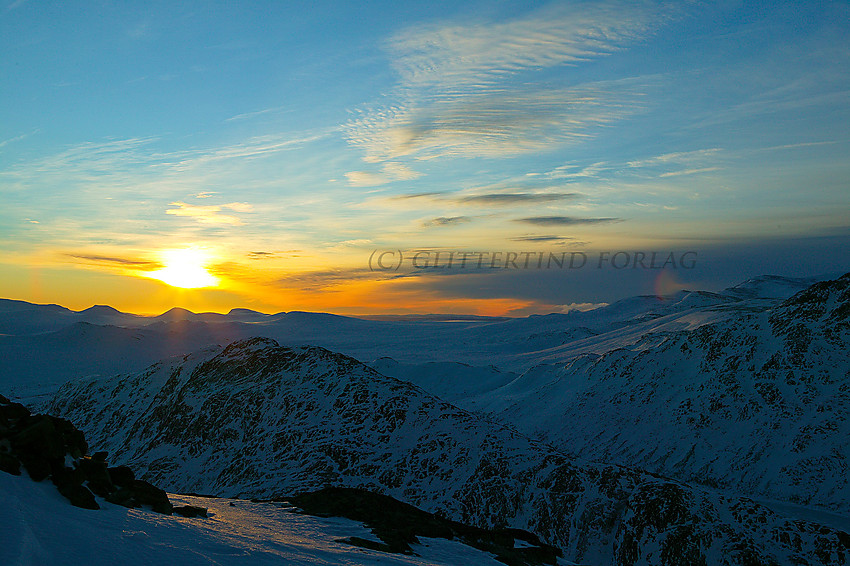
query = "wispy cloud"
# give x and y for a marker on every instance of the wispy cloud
(564, 220)
(4, 143)
(115, 261)
(390, 172)
(109, 190)
(491, 199)
(460, 93)
(447, 221)
(689, 171)
(676, 157)
(508, 199)
(797, 145)
(498, 123)
(250, 115)
(554, 239)
(210, 214)
(272, 255)
(449, 55)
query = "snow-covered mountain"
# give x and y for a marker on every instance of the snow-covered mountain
(757, 402)
(256, 419)
(45, 345)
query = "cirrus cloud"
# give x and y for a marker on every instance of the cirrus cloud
(564, 220)
(210, 214)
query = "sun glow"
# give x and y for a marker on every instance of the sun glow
(186, 269)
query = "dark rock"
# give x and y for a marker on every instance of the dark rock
(190, 511)
(122, 476)
(39, 437)
(62, 476)
(97, 475)
(123, 497)
(74, 440)
(42, 445)
(10, 464)
(398, 525)
(78, 496)
(13, 411)
(148, 494)
(39, 446)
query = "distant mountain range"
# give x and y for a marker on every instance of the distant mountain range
(46, 345)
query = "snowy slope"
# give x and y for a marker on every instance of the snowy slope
(38, 526)
(757, 403)
(257, 419)
(455, 382)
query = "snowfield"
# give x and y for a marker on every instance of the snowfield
(39, 527)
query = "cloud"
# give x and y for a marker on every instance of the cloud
(679, 163)
(576, 172)
(556, 239)
(564, 220)
(506, 199)
(4, 143)
(272, 255)
(116, 261)
(676, 157)
(249, 115)
(490, 199)
(390, 172)
(501, 123)
(432, 194)
(689, 171)
(470, 90)
(447, 221)
(210, 214)
(469, 55)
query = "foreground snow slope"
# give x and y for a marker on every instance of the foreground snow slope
(260, 420)
(38, 526)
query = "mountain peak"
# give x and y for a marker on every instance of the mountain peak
(826, 300)
(100, 309)
(244, 312)
(769, 287)
(249, 346)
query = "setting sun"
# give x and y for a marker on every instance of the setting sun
(186, 269)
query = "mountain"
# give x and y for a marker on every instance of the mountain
(756, 403)
(46, 345)
(455, 382)
(256, 419)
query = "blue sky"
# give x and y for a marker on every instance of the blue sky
(287, 144)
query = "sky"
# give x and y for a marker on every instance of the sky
(318, 156)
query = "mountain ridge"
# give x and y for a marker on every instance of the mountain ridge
(258, 419)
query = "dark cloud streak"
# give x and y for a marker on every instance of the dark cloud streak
(564, 220)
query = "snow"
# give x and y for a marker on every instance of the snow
(38, 526)
(45, 345)
(730, 389)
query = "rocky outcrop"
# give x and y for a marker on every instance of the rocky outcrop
(398, 525)
(49, 447)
